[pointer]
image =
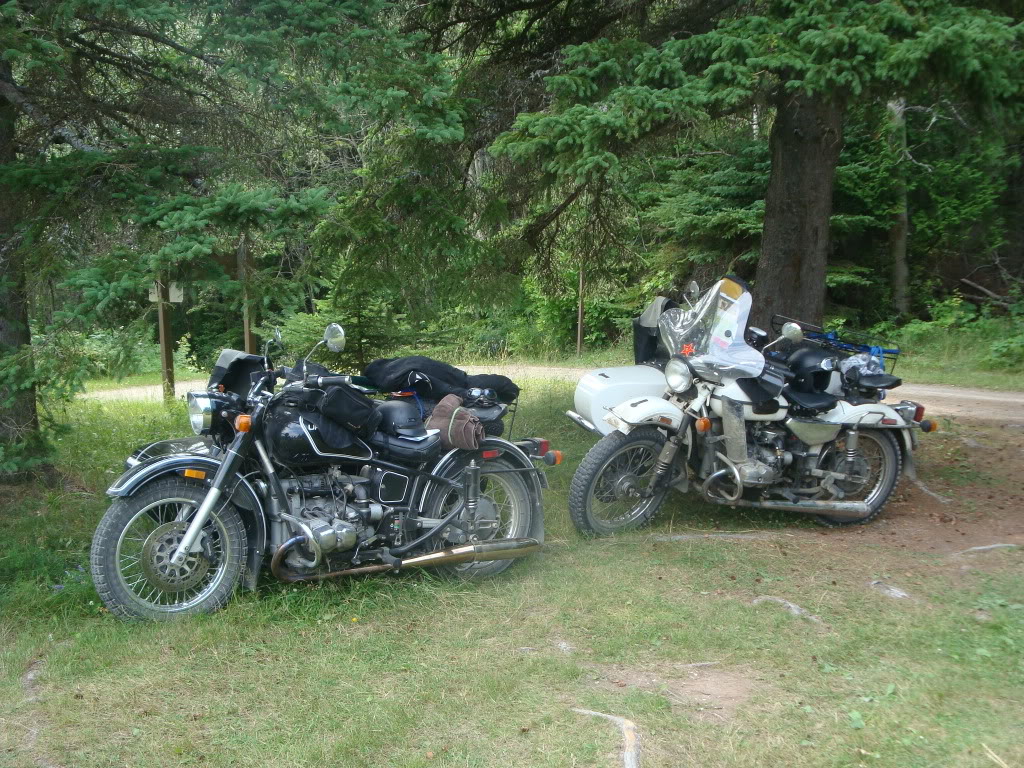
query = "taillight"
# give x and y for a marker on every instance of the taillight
(543, 446)
(919, 413)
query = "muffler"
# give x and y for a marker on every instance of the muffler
(847, 511)
(498, 549)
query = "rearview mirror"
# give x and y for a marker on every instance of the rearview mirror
(277, 335)
(793, 332)
(334, 337)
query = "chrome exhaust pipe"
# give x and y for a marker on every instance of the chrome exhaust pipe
(842, 510)
(498, 549)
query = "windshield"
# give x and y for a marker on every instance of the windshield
(711, 334)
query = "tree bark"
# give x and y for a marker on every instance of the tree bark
(899, 224)
(18, 418)
(805, 142)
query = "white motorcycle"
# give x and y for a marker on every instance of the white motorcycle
(794, 424)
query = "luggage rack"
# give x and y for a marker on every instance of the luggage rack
(847, 343)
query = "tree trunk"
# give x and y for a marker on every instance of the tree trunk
(805, 142)
(18, 420)
(899, 223)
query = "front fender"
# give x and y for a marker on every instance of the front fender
(639, 411)
(244, 497)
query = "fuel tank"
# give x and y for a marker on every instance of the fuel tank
(296, 441)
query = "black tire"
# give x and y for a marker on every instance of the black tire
(890, 469)
(606, 477)
(142, 588)
(509, 498)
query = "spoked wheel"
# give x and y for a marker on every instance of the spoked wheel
(504, 511)
(608, 491)
(873, 475)
(132, 549)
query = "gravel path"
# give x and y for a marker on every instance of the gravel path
(977, 404)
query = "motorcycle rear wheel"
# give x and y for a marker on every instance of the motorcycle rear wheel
(506, 506)
(605, 496)
(883, 462)
(131, 549)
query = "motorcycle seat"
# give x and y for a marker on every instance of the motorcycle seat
(879, 381)
(811, 401)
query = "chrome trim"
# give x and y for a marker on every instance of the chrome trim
(312, 442)
(578, 420)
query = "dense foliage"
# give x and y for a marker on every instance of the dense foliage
(446, 175)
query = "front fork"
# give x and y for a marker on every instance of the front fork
(663, 465)
(228, 467)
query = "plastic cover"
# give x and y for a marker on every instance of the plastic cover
(711, 335)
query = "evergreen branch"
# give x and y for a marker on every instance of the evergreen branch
(13, 94)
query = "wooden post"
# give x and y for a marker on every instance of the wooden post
(579, 317)
(248, 337)
(166, 351)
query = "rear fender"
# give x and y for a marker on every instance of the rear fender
(871, 415)
(454, 460)
(640, 411)
(244, 497)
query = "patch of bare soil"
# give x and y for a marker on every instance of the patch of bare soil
(704, 691)
(977, 467)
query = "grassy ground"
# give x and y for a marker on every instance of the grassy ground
(416, 671)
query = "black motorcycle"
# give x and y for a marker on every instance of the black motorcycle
(317, 476)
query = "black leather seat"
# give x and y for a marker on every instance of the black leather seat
(879, 381)
(811, 401)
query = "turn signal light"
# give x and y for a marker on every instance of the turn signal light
(243, 422)
(553, 458)
(929, 426)
(702, 425)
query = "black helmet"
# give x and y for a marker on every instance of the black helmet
(402, 418)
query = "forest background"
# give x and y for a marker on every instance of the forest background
(462, 178)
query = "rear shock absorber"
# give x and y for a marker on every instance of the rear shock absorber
(851, 446)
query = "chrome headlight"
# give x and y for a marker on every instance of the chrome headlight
(678, 374)
(200, 412)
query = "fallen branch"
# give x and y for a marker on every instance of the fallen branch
(932, 493)
(995, 298)
(696, 536)
(889, 590)
(793, 608)
(986, 548)
(631, 741)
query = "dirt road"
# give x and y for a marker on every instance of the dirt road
(977, 404)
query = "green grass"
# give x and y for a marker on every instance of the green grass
(412, 670)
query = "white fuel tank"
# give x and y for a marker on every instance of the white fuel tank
(733, 391)
(605, 388)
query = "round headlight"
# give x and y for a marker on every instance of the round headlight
(678, 375)
(200, 412)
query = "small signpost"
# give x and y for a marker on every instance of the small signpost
(163, 294)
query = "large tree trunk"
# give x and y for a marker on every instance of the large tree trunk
(805, 142)
(18, 421)
(899, 223)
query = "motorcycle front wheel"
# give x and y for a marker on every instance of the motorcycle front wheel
(608, 491)
(133, 544)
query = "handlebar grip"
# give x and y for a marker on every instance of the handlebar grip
(312, 380)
